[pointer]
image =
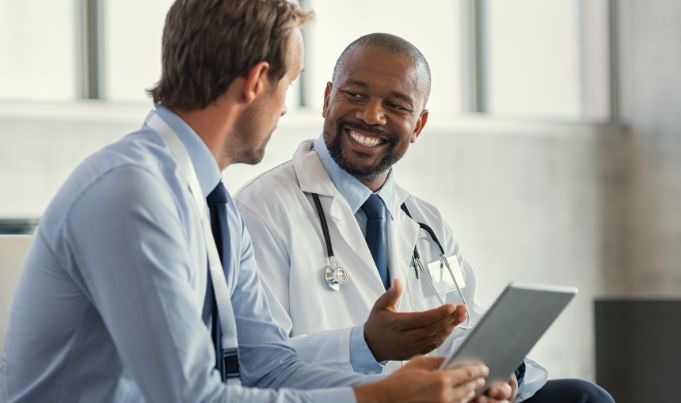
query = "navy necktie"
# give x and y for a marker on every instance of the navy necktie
(375, 235)
(217, 204)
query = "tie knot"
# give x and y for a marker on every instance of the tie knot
(374, 207)
(218, 195)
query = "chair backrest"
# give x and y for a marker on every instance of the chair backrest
(13, 250)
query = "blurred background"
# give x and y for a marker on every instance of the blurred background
(553, 145)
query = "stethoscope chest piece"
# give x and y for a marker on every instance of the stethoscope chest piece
(335, 277)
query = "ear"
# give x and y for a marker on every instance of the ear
(256, 81)
(327, 94)
(420, 124)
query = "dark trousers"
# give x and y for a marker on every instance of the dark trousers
(571, 391)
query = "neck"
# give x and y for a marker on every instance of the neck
(211, 124)
(375, 182)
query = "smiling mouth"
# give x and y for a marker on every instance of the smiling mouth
(364, 139)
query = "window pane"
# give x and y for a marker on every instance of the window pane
(533, 58)
(39, 57)
(132, 47)
(431, 25)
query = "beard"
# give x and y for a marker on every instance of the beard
(369, 172)
(250, 144)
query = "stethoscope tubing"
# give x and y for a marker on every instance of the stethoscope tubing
(325, 225)
(418, 266)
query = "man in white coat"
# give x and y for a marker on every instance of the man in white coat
(314, 223)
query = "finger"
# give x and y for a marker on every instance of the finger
(415, 320)
(481, 399)
(454, 319)
(388, 301)
(397, 286)
(425, 362)
(487, 399)
(500, 391)
(424, 340)
(467, 372)
(461, 313)
(466, 391)
(436, 330)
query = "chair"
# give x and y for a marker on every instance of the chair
(13, 250)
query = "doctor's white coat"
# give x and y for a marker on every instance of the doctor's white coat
(289, 247)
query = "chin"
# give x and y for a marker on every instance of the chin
(251, 160)
(256, 157)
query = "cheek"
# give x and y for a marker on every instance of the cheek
(406, 133)
(329, 126)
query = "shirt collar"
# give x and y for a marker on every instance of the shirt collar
(206, 167)
(352, 190)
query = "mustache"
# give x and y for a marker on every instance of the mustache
(344, 124)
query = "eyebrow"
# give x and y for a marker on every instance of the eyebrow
(393, 94)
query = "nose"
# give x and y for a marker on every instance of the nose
(284, 110)
(372, 113)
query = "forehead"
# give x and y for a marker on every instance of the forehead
(295, 52)
(377, 67)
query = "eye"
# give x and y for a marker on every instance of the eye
(397, 107)
(353, 95)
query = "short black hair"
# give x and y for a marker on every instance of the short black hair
(391, 43)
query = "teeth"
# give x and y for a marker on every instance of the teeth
(364, 140)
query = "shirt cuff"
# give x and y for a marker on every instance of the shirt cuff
(361, 357)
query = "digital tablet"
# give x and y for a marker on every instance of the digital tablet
(510, 328)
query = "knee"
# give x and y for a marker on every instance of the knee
(572, 391)
(590, 392)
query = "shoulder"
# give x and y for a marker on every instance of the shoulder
(269, 189)
(422, 210)
(425, 212)
(136, 169)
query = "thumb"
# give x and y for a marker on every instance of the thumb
(388, 301)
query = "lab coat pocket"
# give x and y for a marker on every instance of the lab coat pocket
(445, 275)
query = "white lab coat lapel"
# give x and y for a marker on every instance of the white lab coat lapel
(349, 244)
(402, 234)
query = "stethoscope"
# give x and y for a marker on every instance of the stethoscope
(335, 276)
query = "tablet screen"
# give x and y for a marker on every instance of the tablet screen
(511, 327)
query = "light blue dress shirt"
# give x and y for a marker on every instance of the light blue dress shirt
(108, 307)
(356, 193)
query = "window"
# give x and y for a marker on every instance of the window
(39, 50)
(525, 58)
(532, 57)
(431, 25)
(131, 47)
(537, 59)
